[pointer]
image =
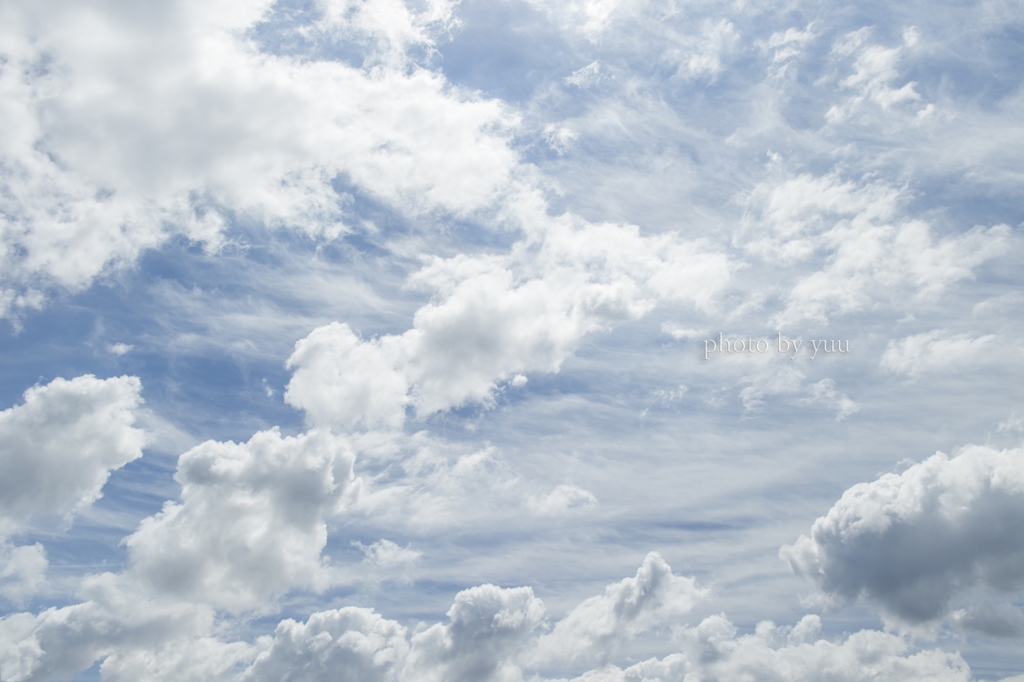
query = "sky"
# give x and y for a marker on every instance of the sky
(511, 340)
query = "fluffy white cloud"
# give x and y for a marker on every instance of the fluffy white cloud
(141, 636)
(597, 628)
(488, 625)
(936, 351)
(712, 651)
(870, 250)
(22, 571)
(497, 317)
(250, 521)
(348, 645)
(125, 127)
(915, 540)
(57, 449)
(340, 378)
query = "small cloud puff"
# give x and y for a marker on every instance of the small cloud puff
(562, 500)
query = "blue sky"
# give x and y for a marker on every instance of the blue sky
(367, 340)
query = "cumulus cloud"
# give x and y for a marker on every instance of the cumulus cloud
(712, 651)
(267, 500)
(22, 571)
(57, 449)
(350, 645)
(210, 126)
(487, 627)
(914, 541)
(139, 635)
(496, 317)
(936, 351)
(597, 628)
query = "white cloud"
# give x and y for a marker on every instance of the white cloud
(717, 37)
(340, 378)
(387, 554)
(586, 76)
(936, 351)
(207, 126)
(350, 644)
(120, 348)
(914, 541)
(140, 635)
(825, 392)
(59, 447)
(250, 523)
(488, 625)
(714, 652)
(562, 500)
(874, 72)
(22, 571)
(597, 628)
(495, 317)
(870, 249)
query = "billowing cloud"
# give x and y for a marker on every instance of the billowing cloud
(712, 651)
(498, 317)
(487, 627)
(250, 523)
(914, 541)
(350, 645)
(57, 449)
(209, 126)
(597, 628)
(138, 635)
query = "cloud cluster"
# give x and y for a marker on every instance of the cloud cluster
(212, 126)
(868, 247)
(712, 651)
(914, 541)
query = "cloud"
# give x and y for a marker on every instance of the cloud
(487, 626)
(348, 645)
(57, 449)
(250, 522)
(494, 317)
(597, 628)
(869, 248)
(120, 348)
(713, 651)
(936, 351)
(562, 500)
(22, 571)
(914, 541)
(386, 554)
(340, 378)
(138, 635)
(995, 620)
(211, 127)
